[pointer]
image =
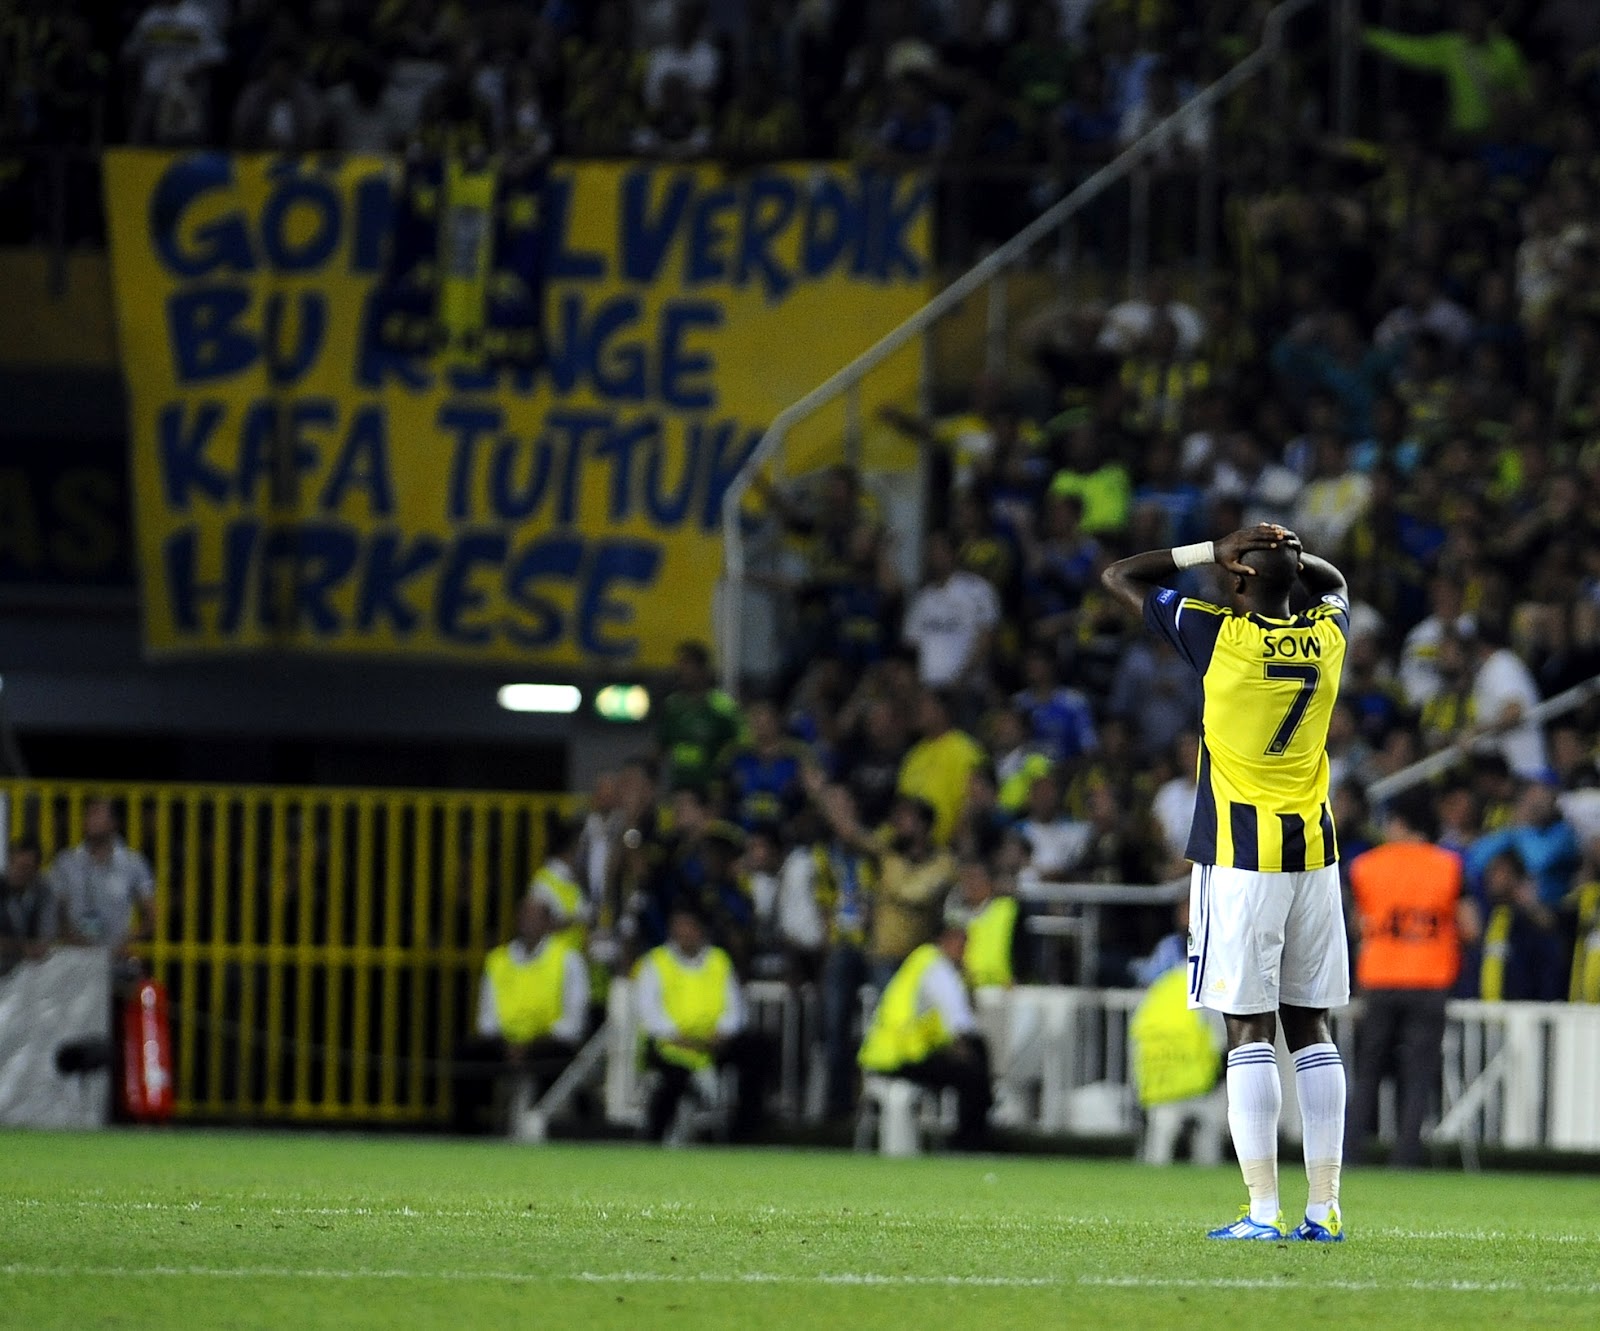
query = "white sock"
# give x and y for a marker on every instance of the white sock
(1319, 1079)
(1255, 1097)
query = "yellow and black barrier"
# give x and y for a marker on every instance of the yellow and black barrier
(320, 947)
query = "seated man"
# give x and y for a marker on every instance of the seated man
(924, 1031)
(693, 1016)
(532, 1007)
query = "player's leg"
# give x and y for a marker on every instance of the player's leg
(1316, 977)
(1237, 919)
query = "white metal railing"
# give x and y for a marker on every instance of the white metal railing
(847, 381)
(1516, 1076)
(1434, 764)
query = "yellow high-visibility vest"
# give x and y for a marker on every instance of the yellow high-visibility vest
(1586, 955)
(899, 1036)
(565, 890)
(527, 994)
(1174, 1054)
(695, 999)
(988, 958)
(1496, 948)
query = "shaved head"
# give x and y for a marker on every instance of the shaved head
(1276, 573)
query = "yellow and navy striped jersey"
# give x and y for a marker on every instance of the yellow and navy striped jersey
(1269, 686)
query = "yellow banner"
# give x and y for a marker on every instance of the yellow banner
(299, 484)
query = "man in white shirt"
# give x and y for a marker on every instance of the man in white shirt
(1503, 693)
(951, 621)
(104, 891)
(692, 1011)
(1420, 676)
(1055, 841)
(1129, 322)
(924, 1030)
(172, 49)
(533, 1010)
(1173, 805)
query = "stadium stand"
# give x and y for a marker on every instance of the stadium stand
(1396, 352)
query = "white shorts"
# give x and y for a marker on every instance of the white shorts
(1261, 940)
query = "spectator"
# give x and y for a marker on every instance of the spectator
(914, 876)
(938, 765)
(915, 129)
(692, 1012)
(1483, 69)
(951, 622)
(1129, 323)
(533, 1007)
(688, 58)
(1156, 693)
(280, 111)
(1522, 958)
(1173, 806)
(1266, 490)
(1060, 720)
(1056, 844)
(103, 888)
(1420, 676)
(697, 721)
(761, 777)
(1503, 693)
(171, 51)
(1095, 475)
(1547, 848)
(677, 126)
(1335, 498)
(1059, 569)
(360, 118)
(1423, 309)
(830, 876)
(27, 911)
(873, 759)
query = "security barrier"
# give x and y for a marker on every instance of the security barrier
(320, 947)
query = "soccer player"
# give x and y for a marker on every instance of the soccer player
(1266, 931)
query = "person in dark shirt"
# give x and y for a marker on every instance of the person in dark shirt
(761, 778)
(27, 906)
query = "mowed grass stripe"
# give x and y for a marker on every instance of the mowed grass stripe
(842, 1278)
(542, 1215)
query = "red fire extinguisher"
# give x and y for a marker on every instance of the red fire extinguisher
(146, 1055)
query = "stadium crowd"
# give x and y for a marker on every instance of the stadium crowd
(1399, 360)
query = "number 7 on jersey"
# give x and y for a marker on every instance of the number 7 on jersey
(1308, 677)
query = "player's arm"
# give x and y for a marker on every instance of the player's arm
(1321, 578)
(1131, 580)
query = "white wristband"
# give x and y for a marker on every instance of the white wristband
(1192, 556)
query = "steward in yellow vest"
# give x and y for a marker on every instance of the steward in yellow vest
(557, 884)
(1174, 1050)
(692, 1013)
(533, 1008)
(923, 1030)
(991, 929)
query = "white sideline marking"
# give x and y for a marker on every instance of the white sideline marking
(1033, 1225)
(849, 1279)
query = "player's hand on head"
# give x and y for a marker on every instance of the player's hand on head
(1231, 550)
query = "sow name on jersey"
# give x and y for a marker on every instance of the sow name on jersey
(1302, 645)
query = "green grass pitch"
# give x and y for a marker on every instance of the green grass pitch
(192, 1230)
